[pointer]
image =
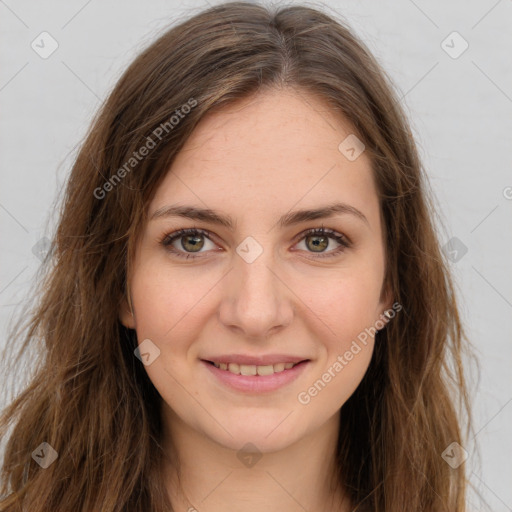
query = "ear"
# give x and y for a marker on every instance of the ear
(126, 316)
(386, 297)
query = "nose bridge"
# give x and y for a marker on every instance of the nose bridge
(256, 301)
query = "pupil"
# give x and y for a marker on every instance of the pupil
(322, 244)
(196, 243)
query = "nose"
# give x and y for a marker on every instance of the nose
(257, 301)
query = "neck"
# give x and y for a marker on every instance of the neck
(203, 475)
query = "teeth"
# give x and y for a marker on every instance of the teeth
(251, 369)
(279, 367)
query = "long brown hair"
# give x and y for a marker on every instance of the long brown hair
(90, 398)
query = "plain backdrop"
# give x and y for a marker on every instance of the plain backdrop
(459, 101)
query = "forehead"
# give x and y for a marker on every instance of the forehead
(266, 154)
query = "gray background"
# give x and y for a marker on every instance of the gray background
(460, 109)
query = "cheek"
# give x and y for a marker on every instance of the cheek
(346, 302)
(341, 316)
(169, 306)
(168, 301)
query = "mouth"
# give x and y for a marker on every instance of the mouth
(254, 379)
(255, 370)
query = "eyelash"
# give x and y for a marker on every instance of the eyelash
(168, 239)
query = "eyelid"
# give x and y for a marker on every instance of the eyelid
(169, 238)
(331, 233)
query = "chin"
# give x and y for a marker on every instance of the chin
(264, 438)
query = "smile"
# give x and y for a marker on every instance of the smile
(251, 369)
(255, 378)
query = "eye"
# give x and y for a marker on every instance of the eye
(318, 239)
(192, 239)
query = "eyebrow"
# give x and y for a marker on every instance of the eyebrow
(289, 219)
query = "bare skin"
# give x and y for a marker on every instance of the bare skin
(262, 158)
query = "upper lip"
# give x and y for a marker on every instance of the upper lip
(262, 360)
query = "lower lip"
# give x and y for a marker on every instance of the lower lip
(257, 383)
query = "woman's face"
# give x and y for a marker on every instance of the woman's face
(261, 287)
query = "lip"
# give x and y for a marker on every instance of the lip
(262, 360)
(256, 383)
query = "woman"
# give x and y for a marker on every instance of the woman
(246, 303)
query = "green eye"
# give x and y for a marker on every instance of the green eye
(318, 240)
(193, 240)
